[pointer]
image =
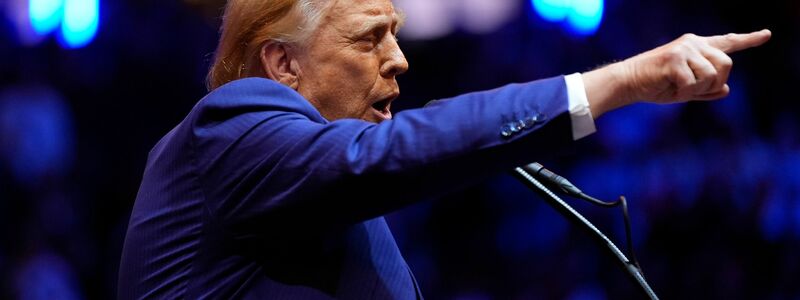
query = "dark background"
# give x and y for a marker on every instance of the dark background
(714, 188)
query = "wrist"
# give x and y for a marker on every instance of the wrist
(608, 88)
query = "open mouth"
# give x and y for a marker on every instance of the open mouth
(382, 107)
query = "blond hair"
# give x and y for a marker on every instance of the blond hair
(248, 24)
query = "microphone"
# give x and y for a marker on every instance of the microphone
(554, 180)
(535, 176)
(539, 172)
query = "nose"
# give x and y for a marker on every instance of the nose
(395, 63)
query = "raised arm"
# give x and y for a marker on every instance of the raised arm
(267, 158)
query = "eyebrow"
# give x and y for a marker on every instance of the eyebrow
(398, 18)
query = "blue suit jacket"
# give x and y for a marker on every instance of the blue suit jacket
(256, 195)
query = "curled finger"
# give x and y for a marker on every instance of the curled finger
(705, 74)
(721, 93)
(721, 62)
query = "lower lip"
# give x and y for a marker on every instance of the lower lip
(383, 115)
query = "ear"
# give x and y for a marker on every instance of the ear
(279, 64)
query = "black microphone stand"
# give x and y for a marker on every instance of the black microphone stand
(631, 267)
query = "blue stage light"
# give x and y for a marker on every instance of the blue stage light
(37, 127)
(81, 20)
(45, 15)
(585, 16)
(581, 17)
(552, 10)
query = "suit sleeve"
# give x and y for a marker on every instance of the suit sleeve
(276, 162)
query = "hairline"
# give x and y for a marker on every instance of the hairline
(312, 12)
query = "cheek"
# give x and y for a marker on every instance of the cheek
(354, 79)
(345, 73)
(341, 84)
(360, 70)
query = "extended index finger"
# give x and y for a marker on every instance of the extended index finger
(733, 42)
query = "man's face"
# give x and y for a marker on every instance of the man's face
(349, 67)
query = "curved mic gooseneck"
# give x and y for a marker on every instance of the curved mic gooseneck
(533, 174)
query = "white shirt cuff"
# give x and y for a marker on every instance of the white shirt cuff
(580, 115)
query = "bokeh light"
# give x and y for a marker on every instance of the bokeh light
(552, 10)
(583, 17)
(37, 129)
(81, 20)
(45, 15)
(428, 20)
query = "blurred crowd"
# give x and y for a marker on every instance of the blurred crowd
(713, 188)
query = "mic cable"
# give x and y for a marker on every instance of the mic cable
(541, 180)
(559, 182)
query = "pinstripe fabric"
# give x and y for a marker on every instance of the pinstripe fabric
(255, 195)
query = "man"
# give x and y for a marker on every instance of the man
(274, 185)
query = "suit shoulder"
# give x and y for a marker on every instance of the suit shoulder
(252, 90)
(253, 95)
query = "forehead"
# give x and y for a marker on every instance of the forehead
(354, 9)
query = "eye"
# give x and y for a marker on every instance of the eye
(369, 38)
(369, 41)
(375, 37)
